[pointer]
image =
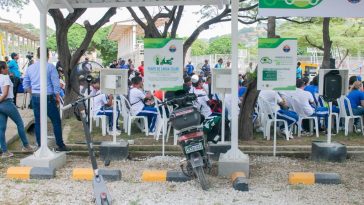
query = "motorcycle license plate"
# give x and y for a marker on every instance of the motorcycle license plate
(194, 148)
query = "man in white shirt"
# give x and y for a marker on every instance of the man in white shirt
(138, 108)
(102, 105)
(212, 122)
(290, 117)
(202, 99)
(304, 104)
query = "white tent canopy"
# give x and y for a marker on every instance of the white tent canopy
(70, 5)
(129, 3)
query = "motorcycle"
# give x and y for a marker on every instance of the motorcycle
(186, 120)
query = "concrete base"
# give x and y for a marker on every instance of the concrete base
(228, 165)
(333, 152)
(55, 161)
(177, 176)
(114, 151)
(217, 149)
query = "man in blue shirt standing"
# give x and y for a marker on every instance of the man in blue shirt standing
(206, 68)
(219, 64)
(190, 68)
(299, 71)
(123, 65)
(14, 73)
(31, 83)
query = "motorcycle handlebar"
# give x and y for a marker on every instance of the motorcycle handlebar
(190, 97)
(75, 103)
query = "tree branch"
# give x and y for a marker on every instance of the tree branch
(313, 44)
(176, 21)
(343, 59)
(91, 29)
(170, 21)
(136, 18)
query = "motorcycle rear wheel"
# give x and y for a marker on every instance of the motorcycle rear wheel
(201, 177)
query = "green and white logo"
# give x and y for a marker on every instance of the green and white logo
(289, 4)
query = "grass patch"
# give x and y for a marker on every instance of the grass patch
(297, 187)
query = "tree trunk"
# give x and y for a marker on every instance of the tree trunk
(327, 43)
(271, 27)
(246, 126)
(68, 60)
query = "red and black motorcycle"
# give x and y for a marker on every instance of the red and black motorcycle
(186, 119)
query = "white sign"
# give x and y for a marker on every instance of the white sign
(312, 8)
(221, 80)
(163, 64)
(114, 81)
(277, 64)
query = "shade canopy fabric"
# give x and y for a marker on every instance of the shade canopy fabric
(130, 3)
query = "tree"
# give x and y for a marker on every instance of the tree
(17, 4)
(108, 49)
(327, 43)
(70, 59)
(220, 45)
(199, 48)
(75, 36)
(173, 15)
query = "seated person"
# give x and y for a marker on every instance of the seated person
(102, 105)
(142, 103)
(187, 84)
(207, 86)
(211, 123)
(356, 98)
(305, 103)
(290, 117)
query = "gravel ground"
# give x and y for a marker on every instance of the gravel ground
(268, 185)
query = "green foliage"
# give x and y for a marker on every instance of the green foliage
(199, 47)
(107, 49)
(345, 33)
(17, 4)
(220, 46)
(76, 34)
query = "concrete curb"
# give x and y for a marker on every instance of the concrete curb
(309, 178)
(163, 176)
(87, 174)
(240, 182)
(30, 173)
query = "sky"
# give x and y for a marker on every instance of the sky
(189, 21)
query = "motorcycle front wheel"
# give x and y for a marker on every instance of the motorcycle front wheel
(201, 177)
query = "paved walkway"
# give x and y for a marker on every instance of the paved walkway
(27, 115)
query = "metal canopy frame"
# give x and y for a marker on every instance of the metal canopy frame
(44, 5)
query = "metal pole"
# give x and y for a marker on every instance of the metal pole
(234, 78)
(7, 43)
(44, 150)
(275, 127)
(223, 118)
(329, 124)
(114, 119)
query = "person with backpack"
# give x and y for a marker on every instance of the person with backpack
(141, 103)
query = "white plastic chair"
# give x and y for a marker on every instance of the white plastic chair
(97, 118)
(336, 115)
(123, 114)
(301, 116)
(131, 116)
(162, 122)
(347, 117)
(267, 115)
(169, 127)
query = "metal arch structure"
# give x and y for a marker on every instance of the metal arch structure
(44, 5)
